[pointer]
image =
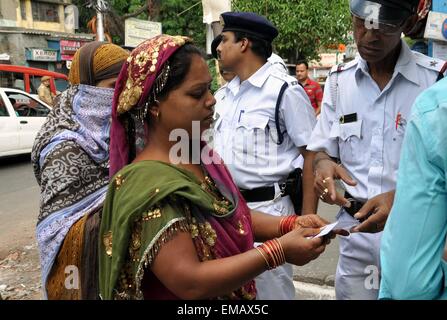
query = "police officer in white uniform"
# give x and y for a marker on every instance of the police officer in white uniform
(259, 156)
(366, 106)
(219, 95)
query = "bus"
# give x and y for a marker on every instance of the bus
(28, 79)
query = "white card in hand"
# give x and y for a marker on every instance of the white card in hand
(326, 230)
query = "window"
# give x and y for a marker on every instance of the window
(25, 106)
(34, 83)
(61, 84)
(45, 12)
(12, 80)
(3, 111)
(23, 9)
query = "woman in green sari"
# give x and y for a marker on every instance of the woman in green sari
(175, 226)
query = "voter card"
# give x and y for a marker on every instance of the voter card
(325, 230)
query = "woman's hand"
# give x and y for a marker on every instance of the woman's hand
(310, 221)
(315, 221)
(298, 249)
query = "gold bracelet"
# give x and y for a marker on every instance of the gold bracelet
(263, 256)
(272, 253)
(279, 252)
(283, 254)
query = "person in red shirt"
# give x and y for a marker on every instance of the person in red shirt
(312, 88)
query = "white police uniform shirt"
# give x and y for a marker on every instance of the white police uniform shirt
(245, 131)
(278, 62)
(219, 95)
(369, 149)
(245, 136)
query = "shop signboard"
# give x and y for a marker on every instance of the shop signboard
(42, 55)
(436, 28)
(69, 48)
(136, 31)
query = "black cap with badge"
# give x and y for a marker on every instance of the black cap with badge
(384, 11)
(250, 23)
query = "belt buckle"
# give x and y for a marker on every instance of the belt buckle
(351, 208)
(352, 200)
(282, 189)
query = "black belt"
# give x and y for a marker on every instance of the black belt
(262, 194)
(355, 204)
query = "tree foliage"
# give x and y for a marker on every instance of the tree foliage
(170, 12)
(305, 26)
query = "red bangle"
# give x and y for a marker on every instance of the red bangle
(273, 253)
(287, 224)
(263, 256)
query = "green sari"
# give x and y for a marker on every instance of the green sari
(148, 203)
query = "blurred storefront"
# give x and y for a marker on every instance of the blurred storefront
(39, 34)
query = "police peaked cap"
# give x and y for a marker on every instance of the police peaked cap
(386, 11)
(250, 23)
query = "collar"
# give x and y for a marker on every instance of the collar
(259, 77)
(307, 82)
(405, 65)
(234, 85)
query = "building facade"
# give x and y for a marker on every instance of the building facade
(39, 33)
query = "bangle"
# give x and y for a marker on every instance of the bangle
(273, 253)
(287, 224)
(265, 259)
(281, 250)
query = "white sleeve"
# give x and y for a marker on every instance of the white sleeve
(298, 114)
(324, 136)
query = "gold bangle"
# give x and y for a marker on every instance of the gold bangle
(274, 253)
(283, 254)
(282, 226)
(280, 257)
(263, 256)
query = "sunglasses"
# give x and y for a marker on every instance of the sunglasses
(382, 28)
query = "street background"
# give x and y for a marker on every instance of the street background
(19, 259)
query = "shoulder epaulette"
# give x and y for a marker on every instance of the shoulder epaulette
(292, 81)
(343, 66)
(428, 62)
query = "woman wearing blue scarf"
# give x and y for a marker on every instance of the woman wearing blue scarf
(71, 163)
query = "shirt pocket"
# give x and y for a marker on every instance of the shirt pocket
(350, 137)
(250, 138)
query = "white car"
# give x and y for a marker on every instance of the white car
(21, 116)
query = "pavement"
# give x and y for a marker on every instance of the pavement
(19, 258)
(315, 281)
(19, 198)
(322, 270)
